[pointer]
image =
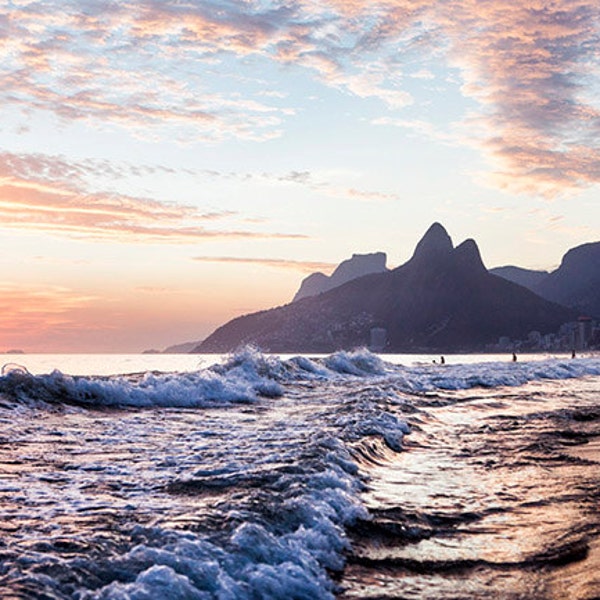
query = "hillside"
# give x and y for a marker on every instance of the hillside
(357, 266)
(576, 283)
(526, 277)
(442, 299)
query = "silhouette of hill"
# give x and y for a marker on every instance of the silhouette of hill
(357, 266)
(576, 283)
(525, 277)
(442, 299)
(183, 348)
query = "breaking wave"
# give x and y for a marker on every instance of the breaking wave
(247, 375)
(252, 502)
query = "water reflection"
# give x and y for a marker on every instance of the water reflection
(495, 492)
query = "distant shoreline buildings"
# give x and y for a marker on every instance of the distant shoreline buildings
(583, 334)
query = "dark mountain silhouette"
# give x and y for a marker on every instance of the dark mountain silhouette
(525, 277)
(576, 283)
(183, 348)
(442, 299)
(357, 266)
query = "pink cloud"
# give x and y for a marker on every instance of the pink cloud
(527, 64)
(530, 66)
(46, 194)
(281, 263)
(27, 311)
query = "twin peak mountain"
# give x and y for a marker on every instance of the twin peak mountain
(443, 299)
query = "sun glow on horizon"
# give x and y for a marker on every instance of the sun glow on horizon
(165, 167)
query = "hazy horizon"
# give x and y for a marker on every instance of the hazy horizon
(165, 167)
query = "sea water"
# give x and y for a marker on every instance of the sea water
(256, 476)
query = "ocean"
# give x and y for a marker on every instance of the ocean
(252, 476)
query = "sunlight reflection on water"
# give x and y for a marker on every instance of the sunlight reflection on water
(494, 499)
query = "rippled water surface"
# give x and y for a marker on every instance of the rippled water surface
(496, 493)
(340, 476)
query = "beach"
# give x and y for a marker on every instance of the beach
(342, 476)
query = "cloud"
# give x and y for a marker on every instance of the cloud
(41, 193)
(422, 74)
(280, 263)
(531, 67)
(26, 311)
(311, 181)
(328, 187)
(90, 64)
(54, 195)
(418, 127)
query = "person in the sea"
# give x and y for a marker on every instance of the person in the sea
(572, 353)
(442, 360)
(514, 357)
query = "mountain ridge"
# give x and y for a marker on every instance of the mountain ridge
(575, 283)
(442, 299)
(352, 268)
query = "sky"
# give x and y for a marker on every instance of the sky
(167, 165)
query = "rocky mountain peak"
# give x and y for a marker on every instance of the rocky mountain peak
(467, 254)
(435, 242)
(347, 270)
(358, 265)
(440, 300)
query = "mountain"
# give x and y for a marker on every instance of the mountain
(442, 299)
(357, 266)
(525, 277)
(183, 348)
(576, 283)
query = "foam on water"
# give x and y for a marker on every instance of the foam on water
(183, 390)
(284, 494)
(497, 374)
(282, 469)
(247, 375)
(287, 555)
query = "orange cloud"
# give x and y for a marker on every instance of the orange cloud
(282, 263)
(27, 312)
(44, 194)
(531, 66)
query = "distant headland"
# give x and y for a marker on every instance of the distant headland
(441, 300)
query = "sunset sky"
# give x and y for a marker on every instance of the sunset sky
(166, 165)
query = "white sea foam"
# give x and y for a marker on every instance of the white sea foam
(248, 375)
(274, 486)
(285, 559)
(184, 390)
(496, 374)
(359, 362)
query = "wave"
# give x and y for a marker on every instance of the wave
(247, 375)
(276, 514)
(206, 388)
(289, 556)
(497, 374)
(292, 521)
